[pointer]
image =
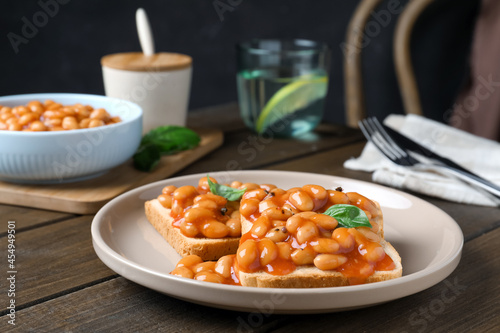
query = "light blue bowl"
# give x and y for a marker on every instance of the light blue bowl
(73, 155)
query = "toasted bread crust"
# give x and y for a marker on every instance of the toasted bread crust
(206, 248)
(312, 277)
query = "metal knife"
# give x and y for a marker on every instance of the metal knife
(413, 146)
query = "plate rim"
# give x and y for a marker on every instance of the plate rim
(100, 245)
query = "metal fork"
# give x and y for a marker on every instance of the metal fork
(375, 133)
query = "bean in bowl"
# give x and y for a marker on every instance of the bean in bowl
(36, 116)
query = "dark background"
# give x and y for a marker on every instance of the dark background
(63, 55)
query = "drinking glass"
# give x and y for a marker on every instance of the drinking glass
(282, 85)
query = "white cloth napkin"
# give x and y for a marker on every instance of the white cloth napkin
(479, 155)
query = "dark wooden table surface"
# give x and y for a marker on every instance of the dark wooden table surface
(61, 285)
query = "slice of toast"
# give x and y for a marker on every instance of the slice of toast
(206, 248)
(312, 277)
(308, 276)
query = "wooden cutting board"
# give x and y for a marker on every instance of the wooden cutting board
(87, 197)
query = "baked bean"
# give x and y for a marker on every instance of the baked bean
(185, 194)
(84, 123)
(279, 234)
(325, 221)
(197, 214)
(183, 272)
(258, 194)
(14, 127)
(268, 187)
(329, 261)
(206, 204)
(54, 106)
(203, 184)
(235, 184)
(214, 229)
(337, 197)
(249, 207)
(293, 223)
(5, 116)
(249, 186)
(316, 192)
(12, 121)
(100, 114)
(268, 251)
(266, 204)
(344, 238)
(291, 208)
(235, 214)
(285, 250)
(325, 245)
(96, 123)
(247, 253)
(369, 234)
(372, 251)
(20, 110)
(207, 266)
(303, 256)
(38, 126)
(53, 122)
(363, 202)
(168, 189)
(165, 200)
(70, 123)
(278, 223)
(69, 111)
(56, 128)
(3, 126)
(234, 226)
(224, 265)
(188, 229)
(26, 118)
(306, 232)
(276, 213)
(260, 227)
(278, 192)
(301, 200)
(189, 261)
(209, 277)
(5, 109)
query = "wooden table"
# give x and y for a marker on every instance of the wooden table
(61, 285)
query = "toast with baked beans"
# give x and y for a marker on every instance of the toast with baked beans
(300, 238)
(290, 242)
(195, 221)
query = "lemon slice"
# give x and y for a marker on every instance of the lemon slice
(290, 98)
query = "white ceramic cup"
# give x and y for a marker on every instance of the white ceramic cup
(160, 84)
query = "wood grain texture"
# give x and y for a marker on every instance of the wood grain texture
(54, 258)
(88, 196)
(243, 149)
(27, 217)
(122, 306)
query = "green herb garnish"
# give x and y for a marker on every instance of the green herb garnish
(348, 216)
(231, 194)
(163, 140)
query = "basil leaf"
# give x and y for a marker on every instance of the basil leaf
(147, 157)
(231, 194)
(348, 216)
(171, 139)
(163, 140)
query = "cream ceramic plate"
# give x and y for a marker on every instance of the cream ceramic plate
(428, 240)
